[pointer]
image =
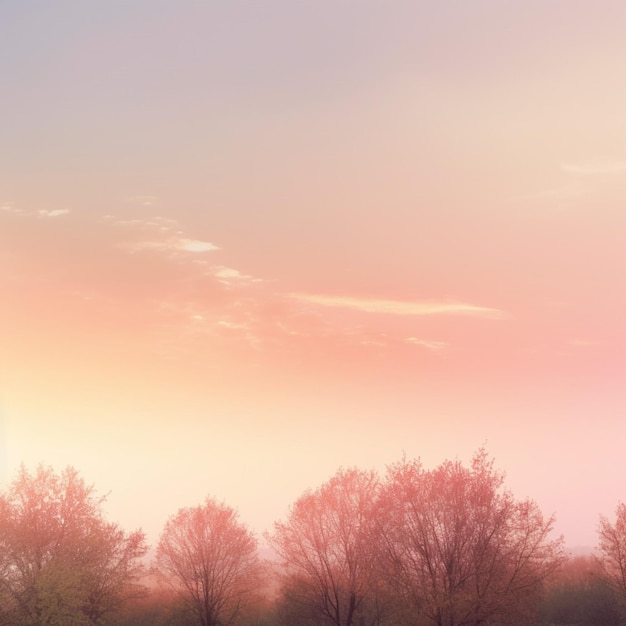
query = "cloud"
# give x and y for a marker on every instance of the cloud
(398, 307)
(154, 222)
(151, 277)
(584, 179)
(52, 212)
(152, 233)
(8, 207)
(229, 276)
(560, 194)
(145, 200)
(161, 234)
(174, 244)
(594, 167)
(194, 245)
(433, 346)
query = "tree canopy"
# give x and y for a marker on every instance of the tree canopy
(461, 549)
(61, 562)
(612, 549)
(328, 548)
(447, 546)
(210, 559)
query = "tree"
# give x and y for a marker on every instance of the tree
(328, 548)
(459, 548)
(612, 548)
(61, 561)
(210, 559)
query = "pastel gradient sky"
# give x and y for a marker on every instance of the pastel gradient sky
(244, 243)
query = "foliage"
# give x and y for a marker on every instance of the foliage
(448, 546)
(328, 548)
(61, 561)
(210, 559)
(612, 549)
(459, 548)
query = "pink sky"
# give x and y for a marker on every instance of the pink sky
(244, 244)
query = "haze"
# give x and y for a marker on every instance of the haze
(243, 244)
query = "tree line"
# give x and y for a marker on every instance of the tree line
(448, 546)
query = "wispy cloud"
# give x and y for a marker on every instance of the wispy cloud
(433, 346)
(8, 207)
(399, 307)
(179, 244)
(52, 212)
(179, 299)
(583, 179)
(143, 200)
(154, 222)
(229, 276)
(194, 245)
(162, 234)
(594, 167)
(561, 194)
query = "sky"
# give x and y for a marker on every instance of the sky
(243, 244)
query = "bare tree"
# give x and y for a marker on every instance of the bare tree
(612, 548)
(60, 561)
(459, 548)
(210, 559)
(328, 548)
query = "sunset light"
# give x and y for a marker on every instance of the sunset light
(247, 247)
